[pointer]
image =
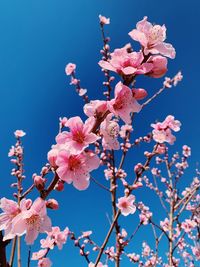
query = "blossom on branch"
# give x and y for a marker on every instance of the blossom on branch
(126, 206)
(76, 168)
(124, 103)
(152, 38)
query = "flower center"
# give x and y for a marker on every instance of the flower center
(74, 163)
(78, 136)
(33, 219)
(124, 204)
(156, 34)
(113, 129)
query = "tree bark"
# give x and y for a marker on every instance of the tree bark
(3, 244)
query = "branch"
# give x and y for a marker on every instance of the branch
(107, 238)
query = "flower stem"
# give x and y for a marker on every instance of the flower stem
(12, 255)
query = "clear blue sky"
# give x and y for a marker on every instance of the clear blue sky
(38, 38)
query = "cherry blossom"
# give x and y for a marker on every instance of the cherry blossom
(152, 38)
(59, 237)
(126, 63)
(19, 133)
(186, 151)
(162, 130)
(124, 103)
(39, 255)
(10, 211)
(80, 135)
(32, 221)
(95, 108)
(76, 168)
(104, 20)
(70, 68)
(45, 262)
(126, 206)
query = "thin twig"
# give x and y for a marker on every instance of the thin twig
(99, 184)
(107, 238)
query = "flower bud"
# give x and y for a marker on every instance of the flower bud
(59, 186)
(139, 93)
(52, 204)
(52, 156)
(39, 182)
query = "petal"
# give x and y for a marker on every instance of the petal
(46, 225)
(81, 182)
(164, 49)
(139, 37)
(31, 235)
(63, 174)
(129, 70)
(19, 225)
(106, 65)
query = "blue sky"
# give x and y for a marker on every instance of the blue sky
(38, 38)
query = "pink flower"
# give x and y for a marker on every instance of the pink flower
(159, 66)
(165, 224)
(38, 255)
(52, 155)
(188, 225)
(104, 20)
(110, 131)
(19, 133)
(80, 135)
(47, 243)
(32, 221)
(126, 206)
(177, 78)
(124, 129)
(146, 249)
(10, 210)
(45, 262)
(167, 82)
(172, 123)
(152, 38)
(162, 130)
(95, 108)
(82, 92)
(76, 168)
(86, 234)
(133, 257)
(125, 63)
(186, 151)
(59, 237)
(124, 103)
(11, 152)
(62, 122)
(70, 68)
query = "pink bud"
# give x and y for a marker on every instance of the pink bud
(59, 186)
(139, 93)
(161, 149)
(138, 167)
(52, 156)
(137, 185)
(52, 204)
(39, 182)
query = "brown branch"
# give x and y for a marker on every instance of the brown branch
(107, 238)
(3, 244)
(44, 194)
